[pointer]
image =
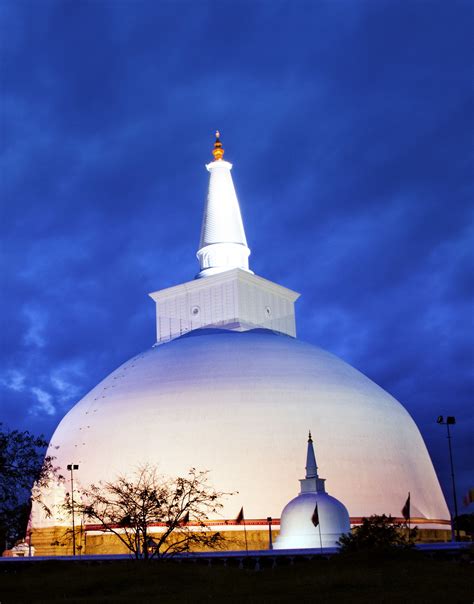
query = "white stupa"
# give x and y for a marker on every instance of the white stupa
(228, 388)
(312, 519)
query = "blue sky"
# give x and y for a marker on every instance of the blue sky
(350, 126)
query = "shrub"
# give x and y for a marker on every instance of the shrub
(378, 533)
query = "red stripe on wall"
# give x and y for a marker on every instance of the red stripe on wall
(275, 522)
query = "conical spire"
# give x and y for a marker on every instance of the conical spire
(223, 245)
(311, 467)
(311, 483)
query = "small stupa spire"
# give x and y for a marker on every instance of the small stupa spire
(311, 467)
(223, 245)
(311, 483)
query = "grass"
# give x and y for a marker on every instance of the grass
(411, 578)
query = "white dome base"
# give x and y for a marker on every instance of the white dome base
(238, 404)
(297, 530)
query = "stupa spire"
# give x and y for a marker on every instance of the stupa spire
(311, 467)
(223, 245)
(311, 483)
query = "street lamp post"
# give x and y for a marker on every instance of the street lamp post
(270, 541)
(71, 467)
(450, 421)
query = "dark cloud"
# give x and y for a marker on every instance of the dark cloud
(350, 126)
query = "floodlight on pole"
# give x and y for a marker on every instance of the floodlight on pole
(450, 421)
(71, 467)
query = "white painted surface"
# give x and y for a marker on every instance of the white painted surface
(297, 530)
(234, 300)
(239, 404)
(223, 244)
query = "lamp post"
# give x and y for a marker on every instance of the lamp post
(270, 541)
(450, 421)
(71, 467)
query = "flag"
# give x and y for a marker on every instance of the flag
(315, 516)
(468, 497)
(185, 518)
(406, 508)
(240, 516)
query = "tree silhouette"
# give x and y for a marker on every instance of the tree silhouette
(23, 471)
(378, 533)
(175, 510)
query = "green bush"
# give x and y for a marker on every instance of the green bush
(378, 533)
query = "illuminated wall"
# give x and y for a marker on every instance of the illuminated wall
(240, 405)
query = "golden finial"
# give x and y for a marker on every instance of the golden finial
(218, 150)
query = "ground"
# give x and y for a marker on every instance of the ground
(412, 578)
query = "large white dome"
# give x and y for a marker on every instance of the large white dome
(238, 404)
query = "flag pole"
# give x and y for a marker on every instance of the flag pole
(241, 518)
(320, 540)
(406, 513)
(246, 544)
(409, 518)
(317, 523)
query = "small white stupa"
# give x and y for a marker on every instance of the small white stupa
(313, 518)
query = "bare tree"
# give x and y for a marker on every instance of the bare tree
(178, 508)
